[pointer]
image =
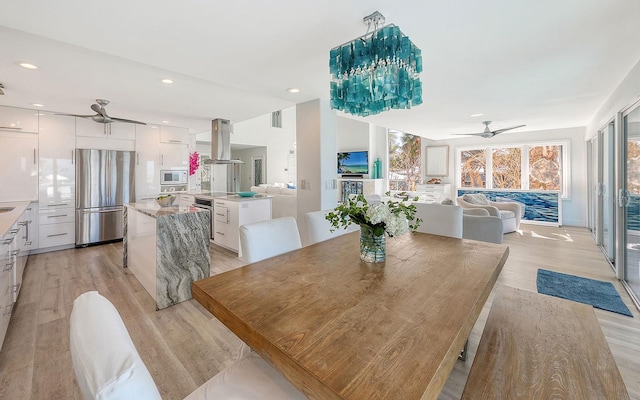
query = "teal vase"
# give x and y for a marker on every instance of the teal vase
(372, 247)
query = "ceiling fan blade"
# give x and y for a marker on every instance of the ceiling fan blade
(129, 121)
(506, 129)
(100, 110)
(76, 115)
(471, 134)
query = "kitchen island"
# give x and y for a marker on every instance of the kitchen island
(229, 212)
(166, 249)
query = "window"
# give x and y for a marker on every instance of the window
(535, 166)
(405, 167)
(473, 164)
(507, 168)
(544, 167)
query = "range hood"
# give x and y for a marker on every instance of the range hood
(221, 143)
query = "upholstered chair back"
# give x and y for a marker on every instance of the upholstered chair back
(319, 228)
(269, 238)
(440, 219)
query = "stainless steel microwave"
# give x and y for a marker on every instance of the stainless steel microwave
(173, 177)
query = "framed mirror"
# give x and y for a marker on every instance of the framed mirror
(437, 161)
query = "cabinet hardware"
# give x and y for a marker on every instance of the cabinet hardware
(23, 223)
(72, 156)
(56, 216)
(137, 158)
(9, 241)
(28, 243)
(175, 141)
(162, 159)
(34, 156)
(13, 231)
(8, 267)
(219, 233)
(15, 288)
(57, 234)
(57, 204)
(14, 253)
(11, 127)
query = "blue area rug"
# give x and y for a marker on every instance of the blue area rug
(602, 295)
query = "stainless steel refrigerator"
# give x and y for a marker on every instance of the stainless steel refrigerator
(104, 183)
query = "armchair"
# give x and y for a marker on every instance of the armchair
(477, 224)
(509, 213)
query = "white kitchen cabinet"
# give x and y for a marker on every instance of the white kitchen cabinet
(147, 162)
(114, 130)
(56, 234)
(6, 282)
(174, 134)
(229, 215)
(174, 156)
(29, 221)
(57, 159)
(19, 166)
(18, 120)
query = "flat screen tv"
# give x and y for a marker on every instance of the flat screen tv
(353, 162)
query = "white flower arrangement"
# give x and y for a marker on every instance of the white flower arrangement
(394, 218)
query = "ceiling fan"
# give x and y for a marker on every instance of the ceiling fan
(488, 133)
(102, 117)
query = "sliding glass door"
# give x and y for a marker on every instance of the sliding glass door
(607, 190)
(629, 199)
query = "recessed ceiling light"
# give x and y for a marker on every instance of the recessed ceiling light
(27, 65)
(476, 115)
(165, 122)
(167, 81)
(293, 90)
(38, 105)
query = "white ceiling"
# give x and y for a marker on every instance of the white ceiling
(543, 63)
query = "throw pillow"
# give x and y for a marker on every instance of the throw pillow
(479, 199)
(447, 202)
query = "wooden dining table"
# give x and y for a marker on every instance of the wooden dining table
(339, 328)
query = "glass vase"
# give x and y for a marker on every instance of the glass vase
(372, 247)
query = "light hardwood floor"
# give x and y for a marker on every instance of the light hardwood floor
(184, 345)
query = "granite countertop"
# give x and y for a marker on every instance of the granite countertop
(152, 209)
(7, 219)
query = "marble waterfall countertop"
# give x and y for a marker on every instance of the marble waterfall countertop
(8, 218)
(152, 209)
(167, 249)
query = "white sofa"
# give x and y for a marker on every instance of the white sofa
(284, 202)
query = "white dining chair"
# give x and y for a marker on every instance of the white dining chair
(439, 219)
(269, 238)
(107, 365)
(319, 228)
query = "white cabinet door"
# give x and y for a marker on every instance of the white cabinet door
(88, 127)
(147, 161)
(19, 166)
(57, 168)
(174, 156)
(121, 130)
(18, 120)
(174, 134)
(6, 283)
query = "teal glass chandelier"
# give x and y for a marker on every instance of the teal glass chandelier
(376, 72)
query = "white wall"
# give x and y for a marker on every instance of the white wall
(246, 177)
(317, 159)
(279, 141)
(574, 208)
(627, 93)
